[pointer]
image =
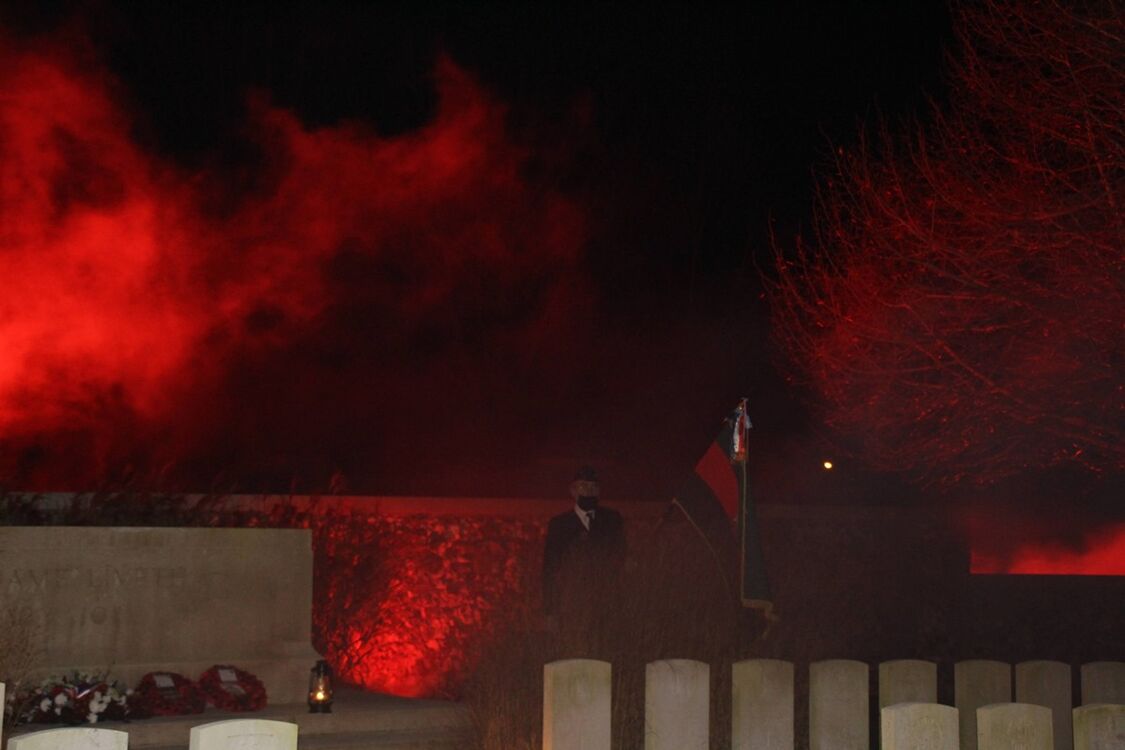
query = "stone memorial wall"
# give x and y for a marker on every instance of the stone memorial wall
(134, 600)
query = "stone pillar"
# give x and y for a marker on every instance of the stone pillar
(244, 734)
(838, 705)
(1014, 726)
(1098, 727)
(762, 705)
(71, 738)
(1103, 682)
(1047, 683)
(918, 726)
(677, 705)
(907, 681)
(576, 705)
(978, 683)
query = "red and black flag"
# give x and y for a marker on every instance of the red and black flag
(716, 500)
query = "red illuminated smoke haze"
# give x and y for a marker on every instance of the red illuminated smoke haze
(132, 289)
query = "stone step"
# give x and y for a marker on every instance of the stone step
(416, 740)
(405, 740)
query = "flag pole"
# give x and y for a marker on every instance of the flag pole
(753, 588)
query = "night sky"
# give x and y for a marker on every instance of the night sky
(586, 288)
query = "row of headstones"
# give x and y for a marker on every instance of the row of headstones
(577, 706)
(232, 734)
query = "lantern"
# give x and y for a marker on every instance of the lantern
(320, 688)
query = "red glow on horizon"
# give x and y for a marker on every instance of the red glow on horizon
(1103, 554)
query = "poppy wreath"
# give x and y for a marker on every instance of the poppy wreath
(183, 697)
(248, 693)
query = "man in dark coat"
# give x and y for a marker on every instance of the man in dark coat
(584, 552)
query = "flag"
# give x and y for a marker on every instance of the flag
(716, 500)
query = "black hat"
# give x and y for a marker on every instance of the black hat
(586, 474)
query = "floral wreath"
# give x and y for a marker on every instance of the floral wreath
(244, 693)
(72, 698)
(151, 699)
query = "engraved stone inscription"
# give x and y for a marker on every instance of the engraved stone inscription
(98, 597)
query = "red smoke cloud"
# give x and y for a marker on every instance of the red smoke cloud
(143, 305)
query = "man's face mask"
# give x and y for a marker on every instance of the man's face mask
(585, 493)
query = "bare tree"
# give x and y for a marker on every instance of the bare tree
(960, 311)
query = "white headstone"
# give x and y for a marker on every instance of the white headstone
(1047, 683)
(677, 705)
(1099, 727)
(838, 705)
(576, 705)
(918, 726)
(1103, 682)
(977, 683)
(1014, 726)
(762, 705)
(71, 738)
(907, 681)
(244, 734)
